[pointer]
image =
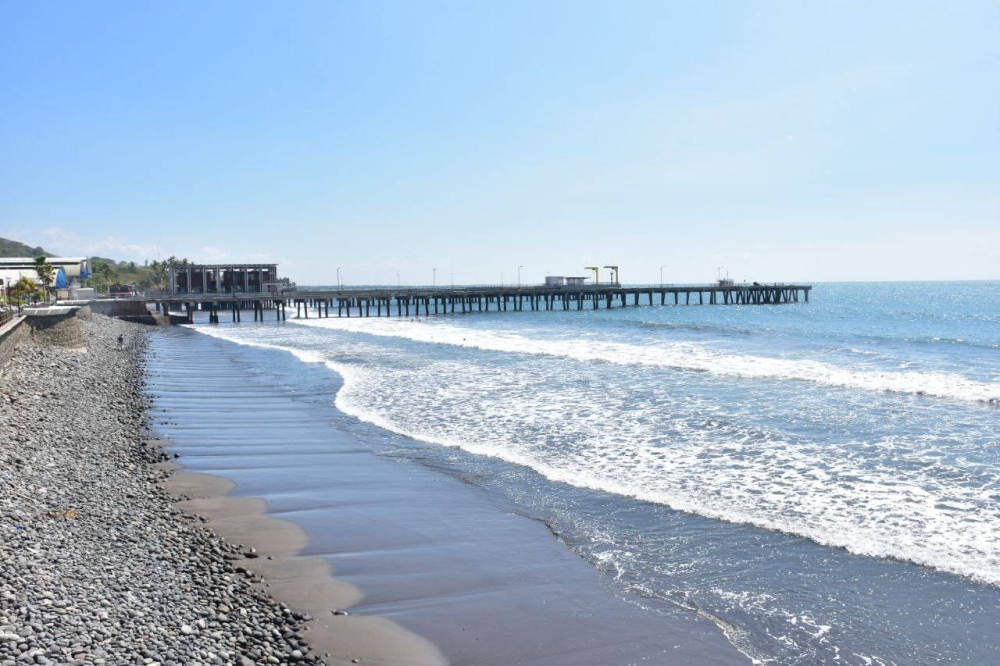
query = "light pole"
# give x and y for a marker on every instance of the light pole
(501, 278)
(519, 276)
(338, 278)
(397, 279)
(434, 277)
(453, 280)
(661, 276)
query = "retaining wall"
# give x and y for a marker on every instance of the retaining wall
(11, 334)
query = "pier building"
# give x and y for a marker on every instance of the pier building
(222, 278)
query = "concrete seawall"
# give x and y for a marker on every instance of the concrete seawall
(55, 326)
(133, 311)
(11, 335)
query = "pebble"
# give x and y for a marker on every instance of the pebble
(96, 564)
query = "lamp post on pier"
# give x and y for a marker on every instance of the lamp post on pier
(397, 279)
(434, 277)
(661, 276)
(519, 276)
(338, 278)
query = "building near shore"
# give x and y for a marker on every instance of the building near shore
(222, 278)
(565, 281)
(13, 269)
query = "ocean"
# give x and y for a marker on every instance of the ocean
(821, 480)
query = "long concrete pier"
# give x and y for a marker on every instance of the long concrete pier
(425, 301)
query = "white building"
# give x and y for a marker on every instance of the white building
(565, 281)
(13, 269)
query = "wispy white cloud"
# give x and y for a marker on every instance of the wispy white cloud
(71, 244)
(212, 255)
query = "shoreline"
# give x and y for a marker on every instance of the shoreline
(434, 556)
(97, 565)
(305, 584)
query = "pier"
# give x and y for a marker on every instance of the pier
(427, 301)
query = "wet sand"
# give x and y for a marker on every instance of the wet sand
(303, 583)
(417, 554)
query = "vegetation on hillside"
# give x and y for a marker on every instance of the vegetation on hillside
(12, 248)
(150, 276)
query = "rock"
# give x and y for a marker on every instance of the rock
(85, 503)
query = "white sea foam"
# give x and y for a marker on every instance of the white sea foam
(893, 497)
(678, 355)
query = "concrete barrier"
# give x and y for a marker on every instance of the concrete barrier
(56, 326)
(133, 311)
(11, 335)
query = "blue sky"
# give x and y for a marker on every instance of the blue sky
(784, 141)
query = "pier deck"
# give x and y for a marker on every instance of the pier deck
(425, 301)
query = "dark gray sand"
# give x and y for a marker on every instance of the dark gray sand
(410, 547)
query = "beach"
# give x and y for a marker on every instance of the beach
(124, 547)
(98, 566)
(655, 485)
(413, 551)
(816, 480)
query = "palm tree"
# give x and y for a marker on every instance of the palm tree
(46, 272)
(154, 270)
(23, 289)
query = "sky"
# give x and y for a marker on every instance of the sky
(780, 141)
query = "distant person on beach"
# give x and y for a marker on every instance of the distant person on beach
(121, 342)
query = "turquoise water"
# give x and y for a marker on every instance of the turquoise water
(821, 479)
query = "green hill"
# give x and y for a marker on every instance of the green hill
(12, 248)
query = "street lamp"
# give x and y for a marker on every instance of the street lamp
(397, 279)
(453, 280)
(434, 277)
(661, 276)
(519, 276)
(338, 277)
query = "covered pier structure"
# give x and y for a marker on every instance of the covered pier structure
(222, 278)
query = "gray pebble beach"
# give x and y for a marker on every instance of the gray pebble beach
(97, 566)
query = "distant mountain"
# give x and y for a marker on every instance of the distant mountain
(12, 248)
